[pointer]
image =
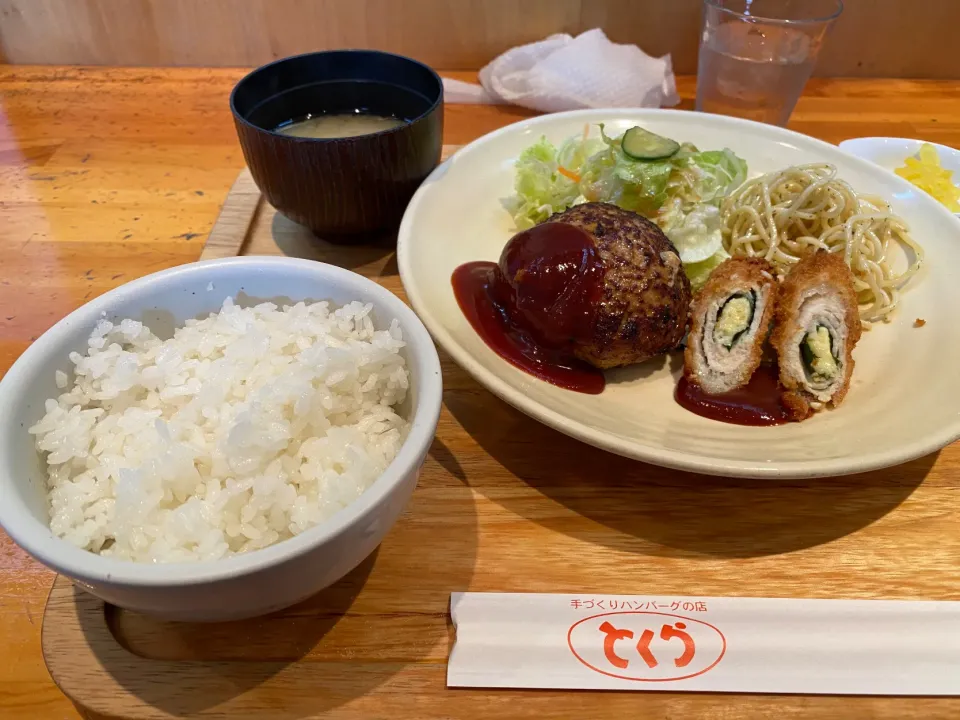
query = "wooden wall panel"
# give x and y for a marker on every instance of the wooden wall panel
(449, 34)
(895, 38)
(872, 38)
(885, 38)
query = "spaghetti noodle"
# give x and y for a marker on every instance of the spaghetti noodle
(786, 215)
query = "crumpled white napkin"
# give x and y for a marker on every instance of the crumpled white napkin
(566, 73)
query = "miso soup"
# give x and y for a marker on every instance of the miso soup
(339, 125)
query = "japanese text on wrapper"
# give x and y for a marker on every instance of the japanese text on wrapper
(638, 604)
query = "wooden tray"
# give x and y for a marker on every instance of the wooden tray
(506, 504)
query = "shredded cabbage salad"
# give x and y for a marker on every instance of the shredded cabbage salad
(681, 193)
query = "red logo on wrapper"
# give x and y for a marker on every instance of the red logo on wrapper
(646, 646)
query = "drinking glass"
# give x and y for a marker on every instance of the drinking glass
(756, 55)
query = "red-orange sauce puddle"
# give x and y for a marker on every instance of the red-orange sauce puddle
(756, 403)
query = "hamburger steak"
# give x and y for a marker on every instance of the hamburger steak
(643, 296)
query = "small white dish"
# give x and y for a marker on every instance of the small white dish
(890, 153)
(905, 397)
(242, 585)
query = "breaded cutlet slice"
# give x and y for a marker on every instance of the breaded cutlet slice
(816, 326)
(730, 320)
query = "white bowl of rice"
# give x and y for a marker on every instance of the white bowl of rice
(218, 440)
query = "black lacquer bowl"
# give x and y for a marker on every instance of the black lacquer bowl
(343, 188)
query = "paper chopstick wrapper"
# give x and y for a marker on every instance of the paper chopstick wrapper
(458, 92)
(707, 644)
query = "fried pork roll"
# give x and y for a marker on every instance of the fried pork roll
(730, 319)
(817, 326)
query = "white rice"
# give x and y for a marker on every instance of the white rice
(244, 429)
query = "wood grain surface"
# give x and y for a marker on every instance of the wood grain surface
(112, 173)
(236, 218)
(244, 213)
(873, 38)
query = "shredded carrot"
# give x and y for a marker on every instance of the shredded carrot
(567, 174)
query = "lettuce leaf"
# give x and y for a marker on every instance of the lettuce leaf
(574, 151)
(699, 272)
(612, 176)
(697, 233)
(541, 190)
(720, 172)
(646, 186)
(681, 193)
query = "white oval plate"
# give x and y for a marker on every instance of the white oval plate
(890, 153)
(905, 397)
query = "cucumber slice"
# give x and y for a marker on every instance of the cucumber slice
(641, 144)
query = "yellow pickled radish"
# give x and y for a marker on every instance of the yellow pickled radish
(924, 171)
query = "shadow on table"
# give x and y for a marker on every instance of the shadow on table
(369, 255)
(657, 511)
(321, 653)
(170, 665)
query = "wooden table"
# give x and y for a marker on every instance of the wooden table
(109, 174)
